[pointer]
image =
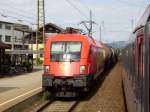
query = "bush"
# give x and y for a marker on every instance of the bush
(46, 95)
(39, 61)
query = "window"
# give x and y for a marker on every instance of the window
(8, 26)
(1, 25)
(0, 38)
(41, 55)
(65, 51)
(148, 19)
(7, 38)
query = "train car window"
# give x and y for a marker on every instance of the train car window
(65, 51)
(148, 19)
(148, 29)
(133, 62)
(73, 47)
(58, 47)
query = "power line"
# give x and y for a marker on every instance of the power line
(88, 8)
(14, 8)
(76, 8)
(16, 18)
(8, 11)
(140, 8)
(118, 31)
(83, 4)
(131, 3)
(21, 15)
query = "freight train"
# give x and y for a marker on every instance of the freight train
(136, 62)
(72, 63)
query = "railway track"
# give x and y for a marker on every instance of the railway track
(57, 106)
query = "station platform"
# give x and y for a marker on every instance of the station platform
(17, 88)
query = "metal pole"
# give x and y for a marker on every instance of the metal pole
(91, 27)
(32, 39)
(13, 36)
(37, 31)
(23, 41)
(12, 43)
(43, 23)
(41, 20)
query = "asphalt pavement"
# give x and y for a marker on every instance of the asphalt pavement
(16, 88)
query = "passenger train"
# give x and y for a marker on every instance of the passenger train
(136, 62)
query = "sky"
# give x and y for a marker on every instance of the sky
(117, 18)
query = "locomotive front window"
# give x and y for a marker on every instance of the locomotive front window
(65, 51)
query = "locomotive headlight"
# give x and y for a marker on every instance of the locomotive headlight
(46, 69)
(82, 69)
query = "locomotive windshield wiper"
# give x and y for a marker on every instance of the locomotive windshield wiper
(72, 60)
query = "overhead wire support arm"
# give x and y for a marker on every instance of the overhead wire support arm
(89, 25)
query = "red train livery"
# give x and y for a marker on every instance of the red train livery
(71, 63)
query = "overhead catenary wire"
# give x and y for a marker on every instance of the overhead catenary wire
(22, 16)
(77, 9)
(16, 18)
(140, 9)
(131, 3)
(83, 4)
(15, 9)
(87, 7)
(12, 12)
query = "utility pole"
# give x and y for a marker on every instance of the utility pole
(91, 27)
(13, 37)
(40, 21)
(90, 23)
(12, 45)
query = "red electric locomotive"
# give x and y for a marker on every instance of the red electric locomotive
(71, 64)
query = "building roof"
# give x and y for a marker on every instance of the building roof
(4, 20)
(4, 46)
(17, 26)
(21, 27)
(51, 28)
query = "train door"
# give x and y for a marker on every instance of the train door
(146, 68)
(139, 82)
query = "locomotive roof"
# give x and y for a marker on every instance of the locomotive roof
(78, 37)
